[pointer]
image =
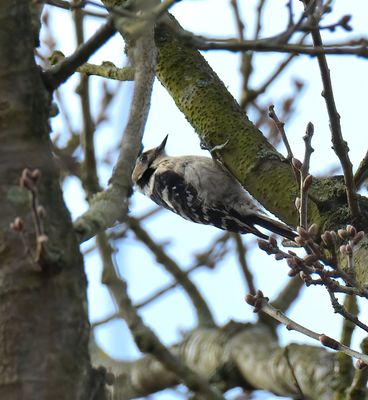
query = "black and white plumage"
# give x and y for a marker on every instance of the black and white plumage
(201, 190)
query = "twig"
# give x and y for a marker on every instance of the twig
(305, 178)
(203, 312)
(260, 303)
(29, 180)
(358, 48)
(339, 309)
(241, 251)
(88, 167)
(246, 57)
(316, 262)
(208, 258)
(238, 20)
(255, 93)
(339, 145)
(66, 5)
(59, 73)
(105, 320)
(280, 128)
(260, 7)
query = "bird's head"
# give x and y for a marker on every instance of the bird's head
(146, 159)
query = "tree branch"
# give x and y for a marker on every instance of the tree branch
(203, 312)
(339, 145)
(60, 72)
(112, 204)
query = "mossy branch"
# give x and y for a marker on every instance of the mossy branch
(217, 118)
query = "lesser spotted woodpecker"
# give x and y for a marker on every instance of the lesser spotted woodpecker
(201, 190)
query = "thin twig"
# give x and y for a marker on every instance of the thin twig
(241, 251)
(339, 145)
(357, 48)
(340, 309)
(89, 168)
(305, 178)
(66, 5)
(261, 303)
(203, 312)
(280, 126)
(208, 258)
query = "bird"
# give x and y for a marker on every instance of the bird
(201, 190)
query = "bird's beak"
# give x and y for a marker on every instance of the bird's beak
(160, 149)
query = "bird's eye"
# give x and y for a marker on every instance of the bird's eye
(143, 158)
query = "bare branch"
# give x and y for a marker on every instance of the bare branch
(339, 145)
(280, 126)
(241, 250)
(261, 303)
(305, 178)
(59, 73)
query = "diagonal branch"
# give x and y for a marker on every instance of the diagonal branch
(60, 72)
(339, 145)
(261, 303)
(146, 340)
(112, 204)
(201, 307)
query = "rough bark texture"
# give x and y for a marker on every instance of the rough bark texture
(242, 355)
(43, 311)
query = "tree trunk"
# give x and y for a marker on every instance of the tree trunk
(44, 328)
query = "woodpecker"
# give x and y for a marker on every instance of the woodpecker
(199, 189)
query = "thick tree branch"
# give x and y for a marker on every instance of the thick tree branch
(248, 355)
(218, 119)
(111, 205)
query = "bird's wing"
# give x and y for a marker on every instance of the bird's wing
(170, 190)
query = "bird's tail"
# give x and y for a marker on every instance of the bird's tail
(270, 224)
